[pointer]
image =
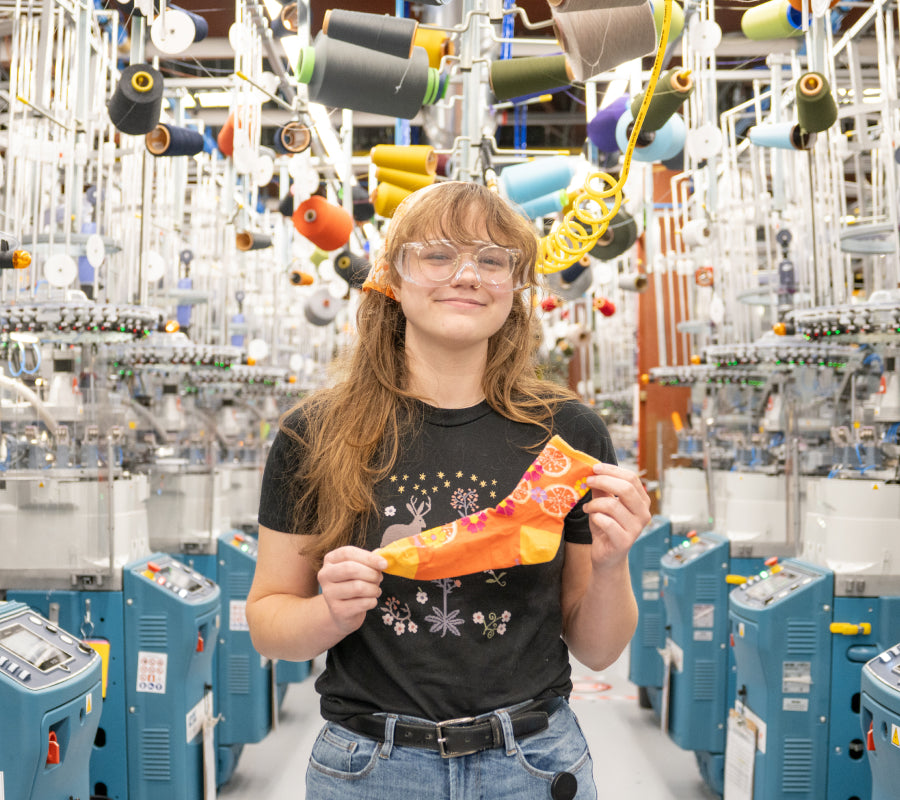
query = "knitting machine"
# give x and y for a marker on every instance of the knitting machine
(880, 716)
(50, 692)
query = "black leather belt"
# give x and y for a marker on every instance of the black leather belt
(458, 737)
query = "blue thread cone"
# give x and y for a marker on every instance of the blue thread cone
(534, 179)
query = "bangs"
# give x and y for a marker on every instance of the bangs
(466, 213)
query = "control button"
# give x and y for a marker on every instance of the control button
(35, 620)
(182, 592)
(53, 749)
(153, 566)
(11, 667)
(3, 660)
(24, 675)
(64, 638)
(885, 658)
(51, 628)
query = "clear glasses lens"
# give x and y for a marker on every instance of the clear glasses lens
(433, 263)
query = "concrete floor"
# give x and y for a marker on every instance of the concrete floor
(632, 757)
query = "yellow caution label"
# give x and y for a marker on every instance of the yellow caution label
(895, 735)
(102, 647)
(89, 703)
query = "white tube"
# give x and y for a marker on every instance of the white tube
(26, 394)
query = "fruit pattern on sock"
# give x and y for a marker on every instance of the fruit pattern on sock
(524, 528)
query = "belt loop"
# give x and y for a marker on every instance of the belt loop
(390, 722)
(509, 738)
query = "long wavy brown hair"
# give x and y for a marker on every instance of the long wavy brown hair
(350, 433)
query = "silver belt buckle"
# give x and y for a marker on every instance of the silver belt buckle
(442, 740)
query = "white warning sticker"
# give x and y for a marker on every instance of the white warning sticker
(237, 615)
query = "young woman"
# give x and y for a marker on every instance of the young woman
(453, 686)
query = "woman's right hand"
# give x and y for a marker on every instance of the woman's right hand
(350, 579)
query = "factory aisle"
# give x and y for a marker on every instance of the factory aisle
(632, 758)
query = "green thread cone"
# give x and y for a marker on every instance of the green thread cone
(515, 77)
(672, 89)
(817, 110)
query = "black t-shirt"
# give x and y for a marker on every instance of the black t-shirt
(463, 646)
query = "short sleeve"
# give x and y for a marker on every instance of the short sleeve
(275, 499)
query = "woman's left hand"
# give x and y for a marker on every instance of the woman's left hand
(618, 510)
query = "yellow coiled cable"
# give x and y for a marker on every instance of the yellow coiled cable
(578, 231)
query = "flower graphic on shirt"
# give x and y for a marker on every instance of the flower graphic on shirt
(474, 523)
(390, 511)
(464, 501)
(421, 597)
(494, 624)
(398, 615)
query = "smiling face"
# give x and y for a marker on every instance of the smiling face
(465, 311)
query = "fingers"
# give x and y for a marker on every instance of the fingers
(619, 504)
(351, 584)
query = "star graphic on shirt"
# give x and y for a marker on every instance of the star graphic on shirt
(424, 491)
(473, 478)
(393, 478)
(483, 484)
(494, 482)
(441, 474)
(401, 489)
(406, 477)
(434, 489)
(459, 474)
(492, 495)
(421, 476)
(446, 484)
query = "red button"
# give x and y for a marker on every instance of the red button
(771, 562)
(870, 739)
(199, 643)
(153, 566)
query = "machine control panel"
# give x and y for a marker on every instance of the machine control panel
(36, 654)
(689, 550)
(244, 543)
(772, 585)
(173, 576)
(885, 667)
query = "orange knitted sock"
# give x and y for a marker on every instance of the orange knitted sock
(523, 528)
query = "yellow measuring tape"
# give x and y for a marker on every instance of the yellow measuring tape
(578, 231)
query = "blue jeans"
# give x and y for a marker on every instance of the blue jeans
(345, 765)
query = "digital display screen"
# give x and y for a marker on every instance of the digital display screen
(771, 586)
(33, 649)
(181, 579)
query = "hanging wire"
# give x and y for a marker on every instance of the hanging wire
(579, 229)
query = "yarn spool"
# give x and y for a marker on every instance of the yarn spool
(249, 240)
(174, 32)
(436, 43)
(380, 32)
(406, 158)
(578, 279)
(605, 306)
(566, 6)
(326, 225)
(633, 282)
(295, 137)
(405, 180)
(286, 205)
(300, 278)
(516, 77)
(602, 38)
(676, 24)
(817, 110)
(363, 208)
(289, 20)
(352, 268)
(321, 308)
(136, 103)
(673, 88)
(551, 203)
(658, 145)
(345, 75)
(775, 19)
(695, 233)
(620, 234)
(533, 179)
(225, 139)
(781, 135)
(169, 140)
(387, 197)
(601, 130)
